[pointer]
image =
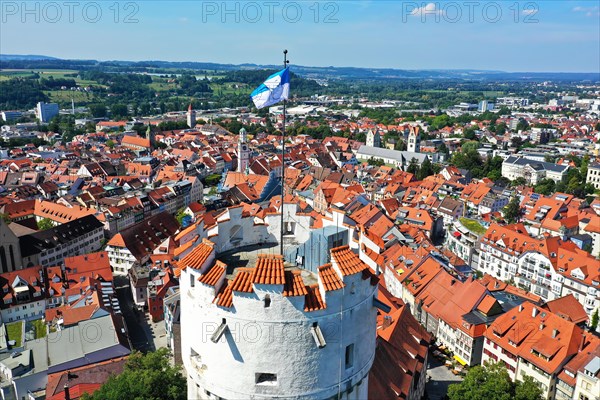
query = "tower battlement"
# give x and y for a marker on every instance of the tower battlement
(280, 330)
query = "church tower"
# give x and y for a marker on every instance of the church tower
(373, 139)
(191, 116)
(243, 152)
(414, 139)
(150, 136)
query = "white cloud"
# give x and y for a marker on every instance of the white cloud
(586, 9)
(429, 9)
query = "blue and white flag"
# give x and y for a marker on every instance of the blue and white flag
(275, 89)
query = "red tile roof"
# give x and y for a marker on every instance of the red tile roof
(214, 274)
(225, 296)
(242, 281)
(313, 300)
(294, 285)
(347, 261)
(269, 270)
(568, 308)
(198, 256)
(330, 278)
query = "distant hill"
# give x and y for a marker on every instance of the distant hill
(4, 57)
(319, 73)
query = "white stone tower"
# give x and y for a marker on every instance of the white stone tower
(243, 152)
(373, 139)
(414, 139)
(274, 330)
(191, 116)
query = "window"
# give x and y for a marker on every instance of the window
(264, 378)
(267, 301)
(192, 280)
(349, 355)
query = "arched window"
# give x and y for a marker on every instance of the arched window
(267, 301)
(3, 259)
(12, 256)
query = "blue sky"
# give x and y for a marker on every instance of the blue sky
(492, 35)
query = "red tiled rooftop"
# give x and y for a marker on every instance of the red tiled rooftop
(242, 281)
(313, 300)
(225, 295)
(198, 256)
(269, 270)
(347, 261)
(329, 278)
(214, 274)
(294, 285)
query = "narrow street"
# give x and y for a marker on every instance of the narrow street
(138, 328)
(439, 378)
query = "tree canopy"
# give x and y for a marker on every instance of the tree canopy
(145, 376)
(512, 212)
(492, 382)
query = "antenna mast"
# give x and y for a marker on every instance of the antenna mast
(285, 64)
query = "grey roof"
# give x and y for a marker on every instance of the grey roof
(401, 156)
(537, 165)
(50, 238)
(593, 366)
(87, 342)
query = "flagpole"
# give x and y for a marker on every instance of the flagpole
(285, 64)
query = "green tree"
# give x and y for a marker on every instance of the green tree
(413, 167)
(518, 182)
(378, 162)
(97, 110)
(146, 376)
(180, 216)
(492, 382)
(527, 389)
(425, 170)
(118, 111)
(110, 143)
(45, 224)
(594, 323)
(512, 212)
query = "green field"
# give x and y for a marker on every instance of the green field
(65, 96)
(473, 226)
(40, 328)
(14, 331)
(6, 74)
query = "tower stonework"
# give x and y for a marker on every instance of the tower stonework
(191, 116)
(274, 330)
(373, 139)
(414, 139)
(243, 152)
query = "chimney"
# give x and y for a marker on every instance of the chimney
(387, 321)
(554, 333)
(520, 307)
(541, 326)
(534, 312)
(67, 394)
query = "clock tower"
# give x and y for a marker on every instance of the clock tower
(243, 152)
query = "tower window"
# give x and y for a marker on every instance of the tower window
(349, 355)
(267, 301)
(192, 280)
(264, 378)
